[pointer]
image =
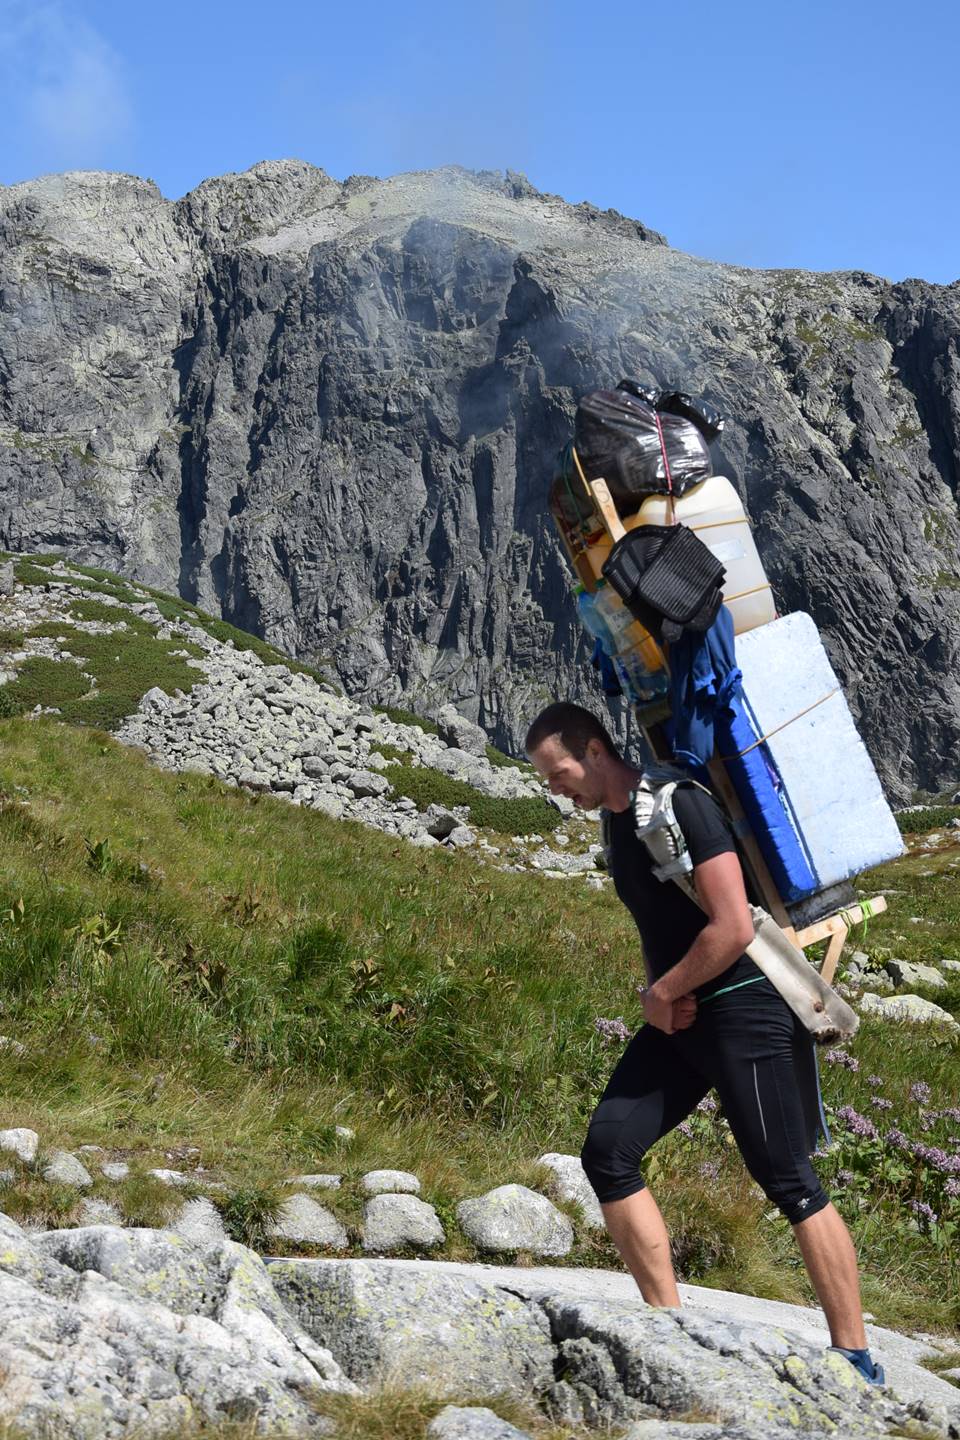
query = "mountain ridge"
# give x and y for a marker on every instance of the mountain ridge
(339, 434)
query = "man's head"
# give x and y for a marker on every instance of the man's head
(573, 753)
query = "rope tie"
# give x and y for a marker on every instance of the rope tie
(777, 728)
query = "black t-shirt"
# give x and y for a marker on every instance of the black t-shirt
(668, 921)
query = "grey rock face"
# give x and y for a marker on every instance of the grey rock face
(394, 1222)
(463, 1336)
(115, 1169)
(457, 731)
(511, 1217)
(199, 1222)
(220, 433)
(105, 1332)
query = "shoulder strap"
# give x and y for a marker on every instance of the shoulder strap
(658, 828)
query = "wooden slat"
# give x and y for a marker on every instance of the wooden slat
(608, 511)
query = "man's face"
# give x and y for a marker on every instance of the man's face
(579, 780)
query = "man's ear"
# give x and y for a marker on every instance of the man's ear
(595, 749)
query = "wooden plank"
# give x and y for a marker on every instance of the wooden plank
(851, 916)
(608, 511)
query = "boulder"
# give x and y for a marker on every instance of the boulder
(375, 1182)
(397, 1222)
(23, 1143)
(570, 1183)
(106, 1332)
(115, 1169)
(472, 1422)
(903, 972)
(199, 1221)
(62, 1168)
(305, 1222)
(513, 1217)
(911, 1008)
(316, 1182)
(459, 733)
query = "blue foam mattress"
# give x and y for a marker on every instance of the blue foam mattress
(801, 771)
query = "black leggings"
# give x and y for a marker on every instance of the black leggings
(750, 1047)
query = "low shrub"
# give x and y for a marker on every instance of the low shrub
(425, 787)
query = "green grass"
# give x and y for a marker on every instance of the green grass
(426, 786)
(197, 967)
(399, 716)
(123, 666)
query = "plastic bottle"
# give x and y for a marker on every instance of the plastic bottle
(714, 510)
(638, 657)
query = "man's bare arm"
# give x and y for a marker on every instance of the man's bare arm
(727, 933)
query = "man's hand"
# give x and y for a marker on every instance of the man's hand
(684, 1012)
(657, 1011)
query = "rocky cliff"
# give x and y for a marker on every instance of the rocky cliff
(329, 412)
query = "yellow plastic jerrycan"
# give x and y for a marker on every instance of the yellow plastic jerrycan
(715, 511)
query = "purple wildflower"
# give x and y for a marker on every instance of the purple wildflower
(844, 1177)
(881, 1104)
(857, 1123)
(896, 1140)
(920, 1091)
(952, 1187)
(707, 1105)
(611, 1031)
(928, 1118)
(938, 1159)
(875, 1081)
(923, 1211)
(684, 1128)
(840, 1057)
(951, 1113)
(710, 1169)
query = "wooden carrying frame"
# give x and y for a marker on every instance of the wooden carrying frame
(834, 928)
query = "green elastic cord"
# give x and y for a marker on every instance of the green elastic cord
(867, 912)
(727, 988)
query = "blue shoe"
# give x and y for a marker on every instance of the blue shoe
(863, 1364)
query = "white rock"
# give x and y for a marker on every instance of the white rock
(98, 1212)
(904, 972)
(571, 1183)
(305, 1222)
(377, 1182)
(513, 1217)
(199, 1221)
(115, 1169)
(23, 1143)
(12, 1047)
(62, 1168)
(316, 1182)
(393, 1222)
(172, 1177)
(912, 1008)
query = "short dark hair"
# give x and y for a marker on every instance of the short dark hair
(573, 726)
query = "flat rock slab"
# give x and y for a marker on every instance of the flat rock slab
(316, 1182)
(392, 1222)
(105, 1333)
(512, 1217)
(199, 1222)
(927, 1394)
(460, 1334)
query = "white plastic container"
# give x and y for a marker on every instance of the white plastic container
(715, 511)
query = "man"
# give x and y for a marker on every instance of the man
(713, 1021)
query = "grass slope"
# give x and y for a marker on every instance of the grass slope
(200, 974)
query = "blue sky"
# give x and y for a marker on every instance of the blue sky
(822, 135)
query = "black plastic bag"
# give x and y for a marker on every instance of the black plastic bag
(639, 451)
